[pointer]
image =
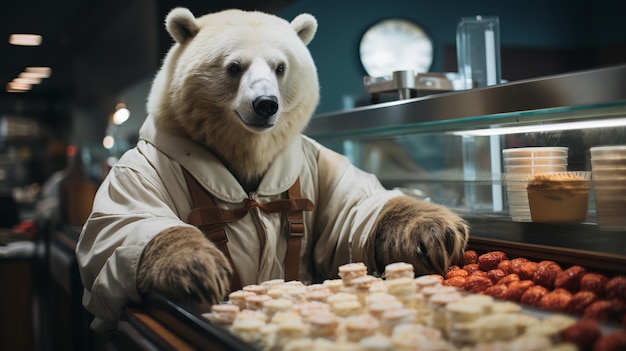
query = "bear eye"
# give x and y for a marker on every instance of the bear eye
(280, 68)
(234, 68)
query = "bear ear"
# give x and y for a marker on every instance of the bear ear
(305, 26)
(181, 24)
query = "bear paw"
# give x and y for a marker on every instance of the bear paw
(429, 236)
(183, 265)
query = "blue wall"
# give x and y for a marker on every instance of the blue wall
(528, 24)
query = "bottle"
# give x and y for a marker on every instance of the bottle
(478, 51)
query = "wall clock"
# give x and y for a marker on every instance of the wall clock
(395, 44)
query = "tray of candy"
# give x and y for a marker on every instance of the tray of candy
(359, 311)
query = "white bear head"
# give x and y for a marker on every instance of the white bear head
(242, 83)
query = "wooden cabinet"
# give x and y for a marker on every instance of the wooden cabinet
(16, 304)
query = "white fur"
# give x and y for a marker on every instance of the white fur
(259, 79)
(181, 24)
(194, 95)
(306, 26)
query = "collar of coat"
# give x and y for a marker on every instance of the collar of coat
(213, 175)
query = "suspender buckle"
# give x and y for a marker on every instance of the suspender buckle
(218, 237)
(296, 228)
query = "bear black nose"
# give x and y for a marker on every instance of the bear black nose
(265, 105)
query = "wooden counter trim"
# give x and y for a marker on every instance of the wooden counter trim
(155, 331)
(191, 328)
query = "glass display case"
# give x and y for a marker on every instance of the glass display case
(447, 148)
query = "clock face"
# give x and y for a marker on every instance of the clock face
(395, 45)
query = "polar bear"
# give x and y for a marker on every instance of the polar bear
(206, 199)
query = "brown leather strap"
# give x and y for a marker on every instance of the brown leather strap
(215, 233)
(211, 220)
(295, 220)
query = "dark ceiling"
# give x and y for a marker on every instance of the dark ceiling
(94, 47)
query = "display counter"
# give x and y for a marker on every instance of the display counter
(446, 148)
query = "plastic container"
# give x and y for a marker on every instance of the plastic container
(611, 214)
(609, 191)
(520, 209)
(520, 214)
(610, 207)
(535, 169)
(540, 151)
(609, 162)
(609, 182)
(609, 173)
(478, 51)
(518, 201)
(618, 151)
(561, 197)
(519, 164)
(608, 166)
(533, 161)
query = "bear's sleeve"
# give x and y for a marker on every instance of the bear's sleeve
(349, 202)
(129, 209)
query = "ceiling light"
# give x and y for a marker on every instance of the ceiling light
(25, 39)
(30, 75)
(25, 80)
(108, 142)
(13, 90)
(42, 72)
(121, 114)
(18, 86)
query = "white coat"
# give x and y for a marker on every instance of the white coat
(145, 193)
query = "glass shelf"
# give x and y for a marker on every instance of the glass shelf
(563, 98)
